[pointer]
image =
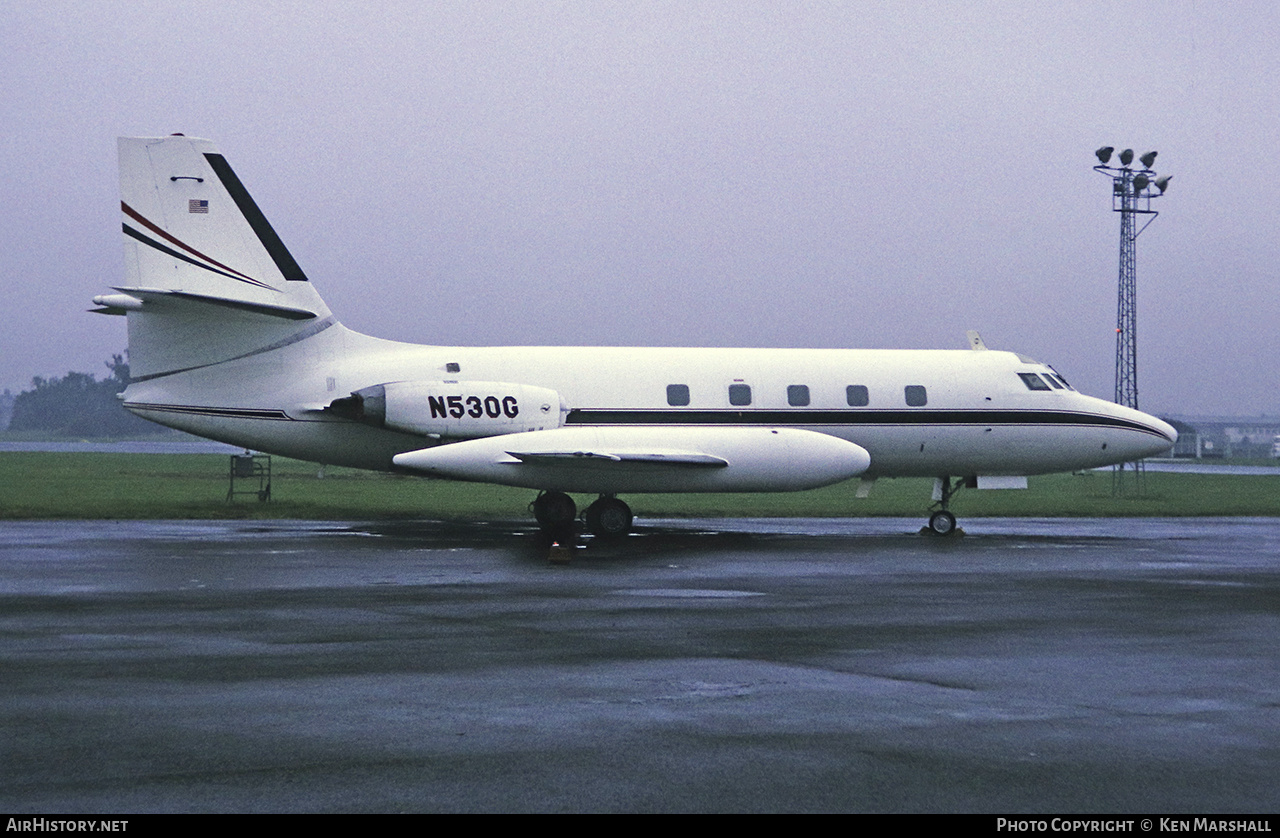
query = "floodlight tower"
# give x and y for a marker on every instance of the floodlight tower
(1131, 194)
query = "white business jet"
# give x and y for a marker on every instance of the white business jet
(229, 340)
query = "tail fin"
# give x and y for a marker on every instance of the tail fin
(207, 278)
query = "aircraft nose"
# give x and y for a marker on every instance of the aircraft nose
(1159, 438)
(1169, 431)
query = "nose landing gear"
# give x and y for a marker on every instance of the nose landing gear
(942, 521)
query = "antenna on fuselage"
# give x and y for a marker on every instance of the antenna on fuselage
(975, 340)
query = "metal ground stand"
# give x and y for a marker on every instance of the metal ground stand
(253, 470)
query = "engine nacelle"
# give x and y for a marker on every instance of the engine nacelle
(454, 409)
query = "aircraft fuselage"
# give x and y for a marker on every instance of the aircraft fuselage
(978, 416)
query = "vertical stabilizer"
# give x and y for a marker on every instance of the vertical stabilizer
(206, 277)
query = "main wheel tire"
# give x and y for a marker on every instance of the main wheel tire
(942, 523)
(554, 510)
(609, 518)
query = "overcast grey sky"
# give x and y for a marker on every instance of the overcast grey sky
(743, 174)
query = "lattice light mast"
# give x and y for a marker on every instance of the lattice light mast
(1132, 190)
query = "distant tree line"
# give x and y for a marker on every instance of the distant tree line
(78, 405)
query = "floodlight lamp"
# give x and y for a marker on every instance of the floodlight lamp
(1162, 183)
(1104, 154)
(1140, 182)
(1126, 157)
(1148, 159)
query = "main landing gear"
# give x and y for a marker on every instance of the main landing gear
(556, 512)
(609, 517)
(942, 522)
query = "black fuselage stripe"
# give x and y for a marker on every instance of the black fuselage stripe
(851, 418)
(261, 227)
(221, 412)
(805, 419)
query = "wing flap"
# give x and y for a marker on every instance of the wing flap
(671, 458)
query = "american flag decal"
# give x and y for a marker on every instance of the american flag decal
(195, 205)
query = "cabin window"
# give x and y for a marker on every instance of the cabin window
(1033, 381)
(856, 395)
(798, 395)
(916, 395)
(452, 367)
(677, 395)
(739, 395)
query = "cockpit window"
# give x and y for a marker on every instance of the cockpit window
(1053, 379)
(1033, 381)
(1058, 376)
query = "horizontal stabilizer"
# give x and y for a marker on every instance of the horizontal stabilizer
(146, 294)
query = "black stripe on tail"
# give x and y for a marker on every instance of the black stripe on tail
(266, 234)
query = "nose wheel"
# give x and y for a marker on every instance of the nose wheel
(942, 522)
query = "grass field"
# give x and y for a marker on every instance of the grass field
(194, 486)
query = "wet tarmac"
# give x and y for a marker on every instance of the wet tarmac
(744, 665)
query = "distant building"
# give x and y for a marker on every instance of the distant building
(1227, 436)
